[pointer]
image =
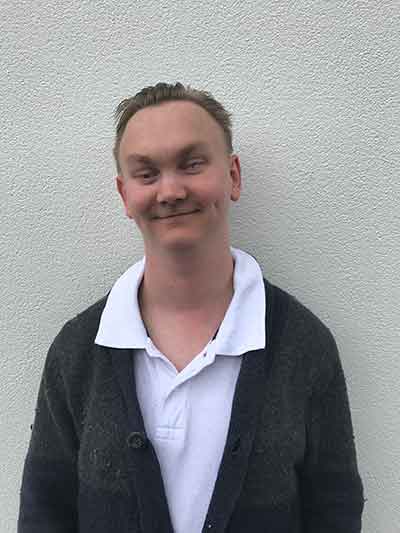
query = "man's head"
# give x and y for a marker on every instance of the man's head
(164, 92)
(177, 174)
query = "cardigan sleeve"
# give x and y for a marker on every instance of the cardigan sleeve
(48, 498)
(331, 488)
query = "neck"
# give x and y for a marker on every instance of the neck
(189, 280)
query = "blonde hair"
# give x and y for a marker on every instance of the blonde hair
(164, 92)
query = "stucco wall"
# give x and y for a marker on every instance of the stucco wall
(314, 89)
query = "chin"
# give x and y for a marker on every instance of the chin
(178, 243)
(181, 245)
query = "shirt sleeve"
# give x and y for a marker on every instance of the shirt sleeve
(48, 498)
(331, 488)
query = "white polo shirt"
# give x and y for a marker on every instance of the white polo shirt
(186, 414)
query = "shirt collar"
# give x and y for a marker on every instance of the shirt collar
(242, 329)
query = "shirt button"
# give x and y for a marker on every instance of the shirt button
(136, 440)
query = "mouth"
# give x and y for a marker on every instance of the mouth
(177, 215)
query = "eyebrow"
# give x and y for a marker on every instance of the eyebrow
(182, 153)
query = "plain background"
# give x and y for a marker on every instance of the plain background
(314, 91)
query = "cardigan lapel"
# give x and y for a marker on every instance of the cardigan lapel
(246, 407)
(232, 471)
(143, 463)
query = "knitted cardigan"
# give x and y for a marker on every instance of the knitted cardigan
(289, 463)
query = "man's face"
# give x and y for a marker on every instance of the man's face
(174, 160)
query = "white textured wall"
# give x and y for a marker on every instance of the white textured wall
(314, 88)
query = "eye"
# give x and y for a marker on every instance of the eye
(194, 164)
(145, 175)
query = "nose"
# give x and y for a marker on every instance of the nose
(170, 189)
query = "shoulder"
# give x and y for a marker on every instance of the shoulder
(83, 327)
(74, 344)
(300, 336)
(290, 322)
(301, 324)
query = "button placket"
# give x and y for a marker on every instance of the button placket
(175, 406)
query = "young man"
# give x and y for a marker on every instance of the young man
(196, 396)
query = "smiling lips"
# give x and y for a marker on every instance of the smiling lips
(177, 215)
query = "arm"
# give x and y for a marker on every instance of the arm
(48, 500)
(331, 488)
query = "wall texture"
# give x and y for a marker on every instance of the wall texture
(314, 89)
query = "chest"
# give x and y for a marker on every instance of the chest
(266, 476)
(186, 416)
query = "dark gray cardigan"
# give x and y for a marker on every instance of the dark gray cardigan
(289, 463)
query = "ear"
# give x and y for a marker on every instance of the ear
(236, 177)
(121, 187)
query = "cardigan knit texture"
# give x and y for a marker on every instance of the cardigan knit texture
(289, 462)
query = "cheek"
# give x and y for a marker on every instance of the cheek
(222, 194)
(212, 190)
(137, 201)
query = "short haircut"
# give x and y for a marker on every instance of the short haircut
(166, 92)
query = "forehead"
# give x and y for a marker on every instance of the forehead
(169, 126)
